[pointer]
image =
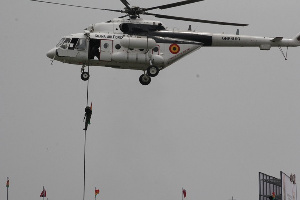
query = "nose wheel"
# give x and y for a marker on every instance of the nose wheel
(85, 76)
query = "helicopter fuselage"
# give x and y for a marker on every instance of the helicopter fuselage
(138, 44)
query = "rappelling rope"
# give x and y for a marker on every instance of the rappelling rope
(87, 88)
(88, 62)
(84, 165)
(87, 101)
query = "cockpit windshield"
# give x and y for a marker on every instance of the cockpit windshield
(71, 44)
(60, 42)
(66, 43)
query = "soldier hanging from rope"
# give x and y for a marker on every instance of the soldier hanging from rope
(87, 116)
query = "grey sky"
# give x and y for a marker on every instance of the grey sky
(208, 123)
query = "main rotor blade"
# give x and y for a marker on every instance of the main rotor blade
(195, 20)
(123, 16)
(125, 2)
(180, 3)
(63, 4)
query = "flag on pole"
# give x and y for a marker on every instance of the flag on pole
(184, 193)
(7, 183)
(43, 193)
(97, 192)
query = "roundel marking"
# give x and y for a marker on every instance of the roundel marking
(174, 48)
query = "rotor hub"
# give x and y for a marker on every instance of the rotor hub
(134, 12)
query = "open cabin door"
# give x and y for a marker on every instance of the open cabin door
(101, 49)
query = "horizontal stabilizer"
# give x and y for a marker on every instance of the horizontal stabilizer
(277, 39)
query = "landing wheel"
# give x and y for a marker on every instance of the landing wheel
(85, 76)
(145, 79)
(152, 71)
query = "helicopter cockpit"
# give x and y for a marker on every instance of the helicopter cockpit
(69, 47)
(72, 43)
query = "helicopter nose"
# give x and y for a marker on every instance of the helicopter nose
(51, 54)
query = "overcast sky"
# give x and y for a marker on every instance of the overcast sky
(208, 123)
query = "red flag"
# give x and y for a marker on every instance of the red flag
(43, 193)
(97, 192)
(184, 193)
(7, 183)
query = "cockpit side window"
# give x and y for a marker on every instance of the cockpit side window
(60, 42)
(66, 43)
(81, 44)
(73, 43)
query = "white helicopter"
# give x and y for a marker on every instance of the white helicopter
(129, 42)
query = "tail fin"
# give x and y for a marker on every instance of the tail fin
(297, 38)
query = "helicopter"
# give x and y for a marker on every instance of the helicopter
(130, 42)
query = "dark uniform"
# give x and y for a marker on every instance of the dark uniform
(87, 117)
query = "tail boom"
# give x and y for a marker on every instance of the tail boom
(264, 43)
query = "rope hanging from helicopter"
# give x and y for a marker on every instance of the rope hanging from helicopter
(84, 165)
(87, 117)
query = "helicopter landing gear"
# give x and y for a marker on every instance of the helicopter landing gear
(145, 79)
(84, 75)
(152, 71)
